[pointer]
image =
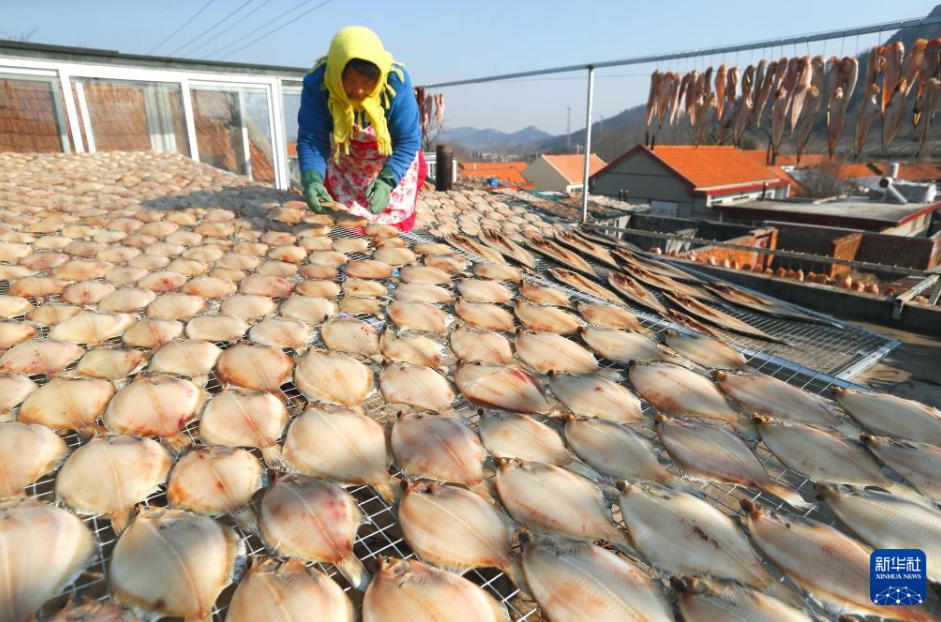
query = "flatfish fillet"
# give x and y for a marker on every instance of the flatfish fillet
(918, 463)
(409, 348)
(763, 304)
(892, 416)
(254, 366)
(510, 435)
(424, 274)
(484, 315)
(682, 534)
(609, 316)
(47, 357)
(544, 295)
(495, 239)
(314, 521)
(705, 350)
(466, 243)
(419, 316)
(831, 566)
(680, 391)
(13, 390)
(551, 499)
(67, 403)
(152, 334)
(703, 600)
(240, 418)
(333, 378)
(618, 451)
(759, 392)
(598, 585)
(351, 336)
(546, 352)
(27, 452)
(480, 290)
(414, 591)
(497, 272)
(500, 386)
(484, 346)
(12, 333)
(634, 292)
(185, 357)
(622, 346)
(289, 591)
(112, 474)
(456, 529)
(723, 320)
(422, 292)
(585, 285)
(594, 395)
(83, 610)
(719, 455)
(281, 333)
(546, 318)
(559, 254)
(440, 448)
(886, 521)
(43, 548)
(340, 445)
(173, 563)
(154, 406)
(308, 309)
(583, 245)
(415, 385)
(216, 328)
(357, 288)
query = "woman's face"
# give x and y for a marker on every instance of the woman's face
(356, 85)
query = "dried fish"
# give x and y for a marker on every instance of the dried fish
(681, 534)
(544, 295)
(500, 386)
(719, 455)
(288, 591)
(886, 521)
(422, 292)
(470, 245)
(484, 346)
(237, 418)
(584, 285)
(352, 305)
(217, 480)
(368, 269)
(408, 348)
(315, 521)
(497, 272)
(351, 336)
(247, 306)
(714, 316)
(50, 314)
(440, 448)
(618, 451)
(110, 475)
(450, 263)
(153, 334)
(764, 304)
(109, 363)
(597, 584)
(479, 290)
(424, 274)
(547, 352)
(418, 316)
(154, 406)
(42, 549)
(510, 435)
(254, 366)
(280, 333)
(415, 385)
(703, 600)
(127, 300)
(27, 452)
(633, 291)
(894, 416)
(549, 498)
(173, 563)
(341, 445)
(679, 391)
(320, 288)
(67, 403)
(608, 316)
(87, 293)
(410, 590)
(705, 350)
(546, 319)
(507, 247)
(12, 333)
(185, 357)
(333, 378)
(558, 253)
(92, 328)
(84, 610)
(395, 256)
(831, 566)
(456, 529)
(484, 315)
(580, 244)
(13, 390)
(362, 288)
(918, 463)
(596, 396)
(626, 347)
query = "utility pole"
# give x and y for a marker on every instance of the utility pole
(568, 130)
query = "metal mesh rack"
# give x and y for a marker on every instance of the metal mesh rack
(381, 535)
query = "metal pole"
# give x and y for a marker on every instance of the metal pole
(591, 92)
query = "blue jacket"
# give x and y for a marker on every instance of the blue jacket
(315, 125)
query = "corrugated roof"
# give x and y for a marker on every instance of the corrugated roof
(572, 167)
(714, 166)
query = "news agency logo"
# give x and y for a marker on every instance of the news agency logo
(897, 577)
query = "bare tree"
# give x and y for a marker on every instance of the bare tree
(23, 37)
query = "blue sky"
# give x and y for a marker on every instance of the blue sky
(444, 40)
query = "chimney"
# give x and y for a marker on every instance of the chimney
(894, 170)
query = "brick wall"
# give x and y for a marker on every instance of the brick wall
(918, 253)
(27, 117)
(118, 117)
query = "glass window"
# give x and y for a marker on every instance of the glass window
(291, 105)
(127, 115)
(32, 118)
(233, 130)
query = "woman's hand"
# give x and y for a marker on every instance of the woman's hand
(315, 192)
(379, 191)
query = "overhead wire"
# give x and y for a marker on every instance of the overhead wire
(211, 28)
(237, 22)
(274, 30)
(184, 25)
(241, 39)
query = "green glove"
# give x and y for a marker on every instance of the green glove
(315, 191)
(380, 190)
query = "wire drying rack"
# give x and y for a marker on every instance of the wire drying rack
(381, 534)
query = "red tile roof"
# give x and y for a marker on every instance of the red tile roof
(507, 172)
(572, 167)
(910, 171)
(710, 167)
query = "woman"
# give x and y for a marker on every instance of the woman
(359, 136)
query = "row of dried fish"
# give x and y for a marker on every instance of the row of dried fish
(799, 86)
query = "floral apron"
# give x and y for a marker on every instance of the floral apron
(348, 177)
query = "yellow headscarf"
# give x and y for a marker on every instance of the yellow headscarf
(349, 43)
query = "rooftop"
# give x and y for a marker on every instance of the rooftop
(857, 213)
(572, 167)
